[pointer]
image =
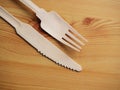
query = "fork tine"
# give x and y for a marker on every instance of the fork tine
(78, 34)
(68, 44)
(67, 39)
(72, 42)
(76, 39)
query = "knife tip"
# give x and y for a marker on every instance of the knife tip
(79, 69)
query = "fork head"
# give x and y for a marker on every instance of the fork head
(58, 28)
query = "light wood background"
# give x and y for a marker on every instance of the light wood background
(23, 68)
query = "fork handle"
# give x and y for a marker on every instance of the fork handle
(9, 18)
(34, 7)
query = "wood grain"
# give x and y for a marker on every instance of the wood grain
(23, 68)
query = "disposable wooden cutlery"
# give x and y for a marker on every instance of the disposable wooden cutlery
(39, 42)
(58, 28)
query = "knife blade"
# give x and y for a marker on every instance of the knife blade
(39, 42)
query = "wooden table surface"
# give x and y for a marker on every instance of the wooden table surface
(23, 68)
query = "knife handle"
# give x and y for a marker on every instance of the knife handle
(9, 18)
(34, 7)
